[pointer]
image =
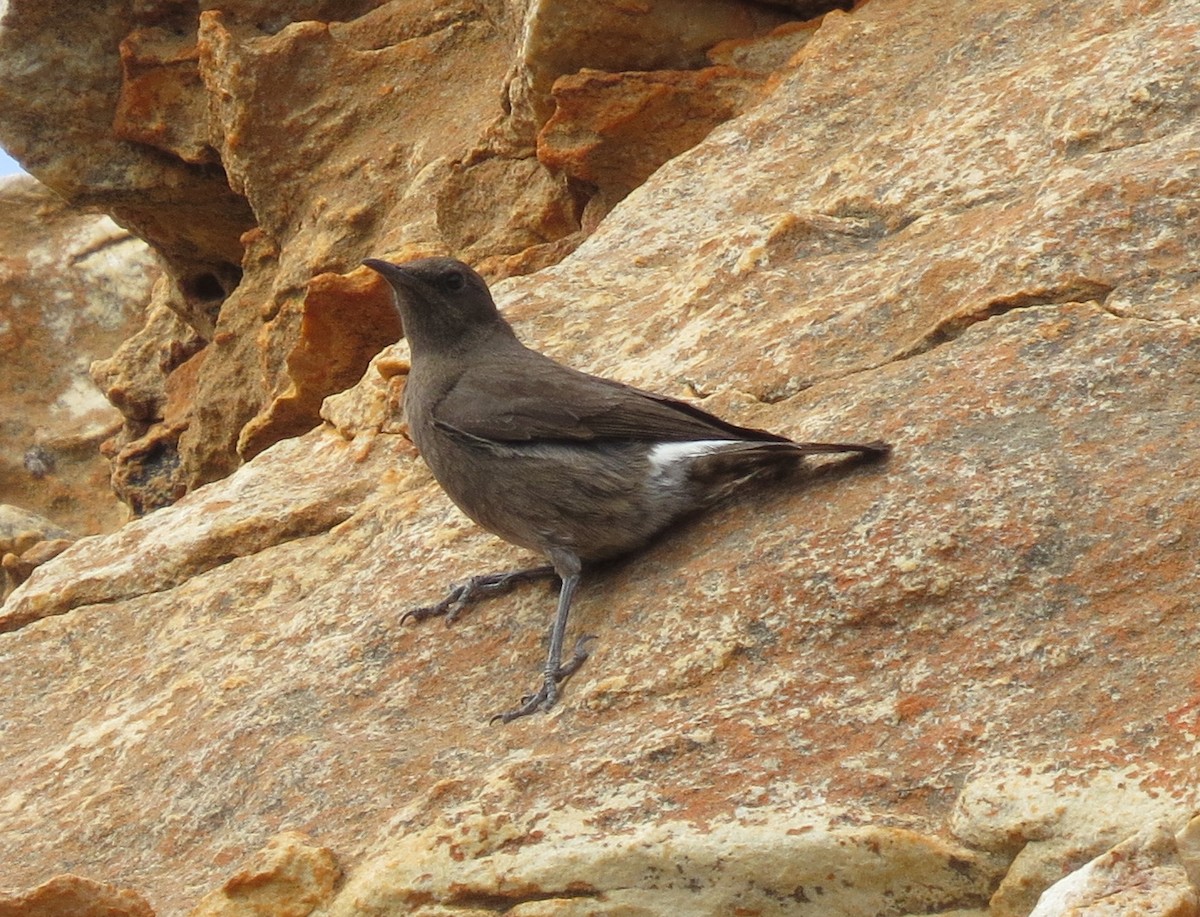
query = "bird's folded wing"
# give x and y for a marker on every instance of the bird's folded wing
(551, 402)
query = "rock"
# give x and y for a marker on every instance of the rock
(366, 71)
(936, 685)
(1010, 808)
(764, 55)
(281, 498)
(152, 379)
(1141, 875)
(612, 130)
(659, 869)
(162, 102)
(20, 529)
(62, 116)
(77, 896)
(72, 287)
(17, 567)
(563, 37)
(288, 878)
(257, 187)
(27, 540)
(344, 322)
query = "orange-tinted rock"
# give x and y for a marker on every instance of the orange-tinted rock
(17, 567)
(563, 36)
(162, 102)
(59, 64)
(341, 194)
(288, 878)
(1142, 875)
(764, 55)
(497, 208)
(328, 132)
(75, 896)
(152, 378)
(27, 540)
(345, 321)
(612, 130)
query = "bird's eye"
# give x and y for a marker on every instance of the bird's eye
(454, 280)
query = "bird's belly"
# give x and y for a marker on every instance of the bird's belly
(595, 500)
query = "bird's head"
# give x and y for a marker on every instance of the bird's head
(443, 303)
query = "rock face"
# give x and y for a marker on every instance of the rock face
(938, 685)
(72, 287)
(257, 186)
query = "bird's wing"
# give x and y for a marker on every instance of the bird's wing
(547, 401)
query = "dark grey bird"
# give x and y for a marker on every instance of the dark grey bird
(577, 467)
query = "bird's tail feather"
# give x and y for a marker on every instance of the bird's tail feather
(877, 447)
(732, 464)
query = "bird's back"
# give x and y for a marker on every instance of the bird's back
(556, 458)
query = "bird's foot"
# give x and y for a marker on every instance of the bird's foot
(547, 694)
(472, 590)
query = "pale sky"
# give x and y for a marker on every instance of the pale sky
(7, 165)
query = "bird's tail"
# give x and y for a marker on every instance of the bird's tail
(733, 463)
(876, 448)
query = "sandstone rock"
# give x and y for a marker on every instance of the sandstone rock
(665, 868)
(931, 686)
(806, 9)
(257, 186)
(764, 55)
(161, 100)
(60, 66)
(344, 322)
(152, 379)
(612, 130)
(20, 529)
(389, 178)
(300, 489)
(72, 287)
(135, 378)
(76, 896)
(1012, 807)
(562, 37)
(1142, 875)
(288, 878)
(17, 567)
(27, 540)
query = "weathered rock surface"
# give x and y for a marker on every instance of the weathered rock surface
(72, 287)
(76, 896)
(65, 114)
(288, 878)
(27, 540)
(1152, 872)
(933, 686)
(263, 148)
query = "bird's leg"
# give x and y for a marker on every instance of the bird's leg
(477, 587)
(568, 569)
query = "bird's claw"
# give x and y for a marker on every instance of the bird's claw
(465, 593)
(545, 697)
(449, 607)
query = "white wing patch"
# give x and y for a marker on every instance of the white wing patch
(669, 459)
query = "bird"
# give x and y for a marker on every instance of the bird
(579, 468)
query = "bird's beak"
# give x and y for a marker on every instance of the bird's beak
(394, 274)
